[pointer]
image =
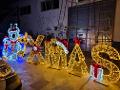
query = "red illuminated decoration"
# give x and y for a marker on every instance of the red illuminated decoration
(96, 72)
(96, 66)
(13, 43)
(36, 49)
(76, 40)
(64, 41)
(6, 44)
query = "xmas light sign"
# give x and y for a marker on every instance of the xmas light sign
(56, 56)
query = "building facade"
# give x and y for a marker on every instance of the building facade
(93, 21)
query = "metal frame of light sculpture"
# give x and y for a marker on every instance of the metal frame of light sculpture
(36, 52)
(62, 46)
(5, 69)
(13, 31)
(114, 73)
(55, 55)
(77, 67)
(14, 44)
(23, 41)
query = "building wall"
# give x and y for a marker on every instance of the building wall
(116, 35)
(39, 22)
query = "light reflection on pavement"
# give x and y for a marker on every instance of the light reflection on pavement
(39, 77)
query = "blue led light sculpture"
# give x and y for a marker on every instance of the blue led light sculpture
(12, 46)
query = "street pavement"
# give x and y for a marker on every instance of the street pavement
(40, 77)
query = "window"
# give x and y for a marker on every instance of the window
(25, 10)
(55, 4)
(81, 0)
(43, 6)
(49, 4)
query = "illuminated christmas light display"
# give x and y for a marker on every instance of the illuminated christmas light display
(77, 63)
(11, 44)
(35, 55)
(63, 46)
(96, 72)
(114, 73)
(6, 43)
(23, 39)
(55, 55)
(5, 69)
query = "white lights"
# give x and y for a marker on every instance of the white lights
(63, 46)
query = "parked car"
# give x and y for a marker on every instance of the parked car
(9, 80)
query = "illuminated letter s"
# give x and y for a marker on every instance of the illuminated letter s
(114, 73)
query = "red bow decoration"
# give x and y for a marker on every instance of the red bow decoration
(6, 46)
(76, 40)
(48, 40)
(64, 41)
(96, 66)
(13, 43)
